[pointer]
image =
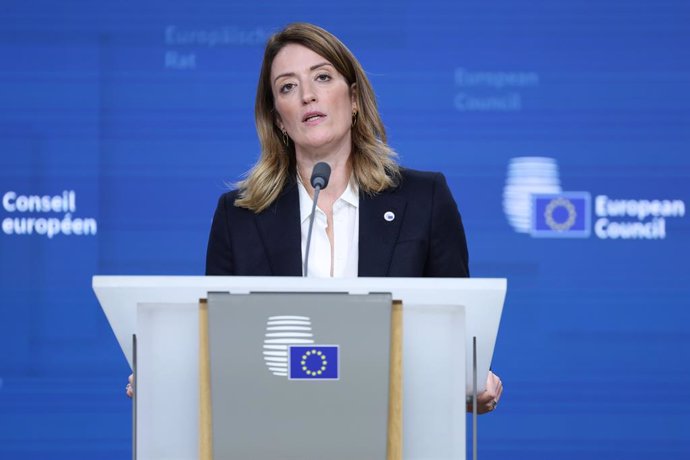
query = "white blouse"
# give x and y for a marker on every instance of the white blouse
(345, 235)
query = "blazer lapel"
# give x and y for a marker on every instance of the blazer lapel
(280, 230)
(378, 234)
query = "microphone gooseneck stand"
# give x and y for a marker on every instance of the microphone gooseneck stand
(319, 180)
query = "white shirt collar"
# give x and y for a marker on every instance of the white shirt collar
(349, 196)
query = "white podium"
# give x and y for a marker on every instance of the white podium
(441, 316)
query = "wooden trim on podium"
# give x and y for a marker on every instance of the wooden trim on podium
(394, 447)
(205, 420)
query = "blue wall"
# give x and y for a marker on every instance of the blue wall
(145, 111)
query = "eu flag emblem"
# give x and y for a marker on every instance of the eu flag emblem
(313, 362)
(562, 215)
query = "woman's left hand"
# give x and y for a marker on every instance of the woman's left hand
(488, 399)
(129, 388)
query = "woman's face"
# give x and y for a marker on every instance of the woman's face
(313, 102)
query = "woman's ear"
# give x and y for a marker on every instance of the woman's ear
(279, 123)
(353, 96)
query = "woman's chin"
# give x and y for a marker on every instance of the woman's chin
(321, 146)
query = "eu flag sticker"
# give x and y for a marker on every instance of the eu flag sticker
(561, 215)
(313, 362)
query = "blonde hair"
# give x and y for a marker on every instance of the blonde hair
(374, 163)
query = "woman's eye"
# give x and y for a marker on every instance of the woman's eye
(323, 77)
(287, 87)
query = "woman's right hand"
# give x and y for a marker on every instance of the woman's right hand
(130, 386)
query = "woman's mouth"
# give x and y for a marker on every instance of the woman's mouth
(311, 117)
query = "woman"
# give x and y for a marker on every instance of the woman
(314, 104)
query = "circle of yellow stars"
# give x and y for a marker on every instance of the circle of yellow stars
(318, 354)
(551, 208)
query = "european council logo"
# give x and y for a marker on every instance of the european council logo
(561, 215)
(315, 362)
(281, 332)
(528, 176)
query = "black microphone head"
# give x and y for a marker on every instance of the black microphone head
(320, 175)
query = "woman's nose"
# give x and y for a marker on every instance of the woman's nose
(308, 94)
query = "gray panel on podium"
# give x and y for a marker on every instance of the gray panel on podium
(260, 411)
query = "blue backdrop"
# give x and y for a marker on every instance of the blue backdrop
(131, 117)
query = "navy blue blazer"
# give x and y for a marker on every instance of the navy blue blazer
(426, 237)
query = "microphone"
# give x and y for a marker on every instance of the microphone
(319, 180)
(320, 175)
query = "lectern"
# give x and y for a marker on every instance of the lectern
(263, 376)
